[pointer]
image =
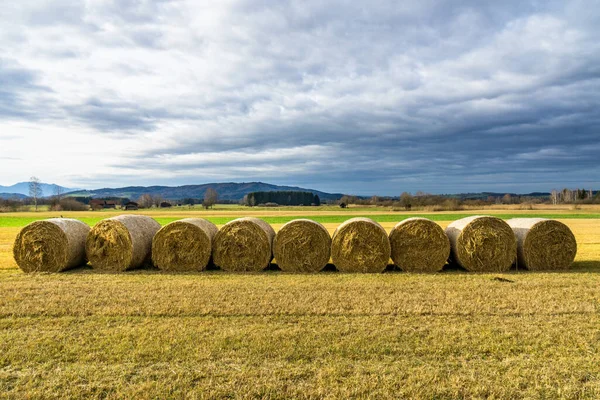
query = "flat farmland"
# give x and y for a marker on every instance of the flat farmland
(146, 334)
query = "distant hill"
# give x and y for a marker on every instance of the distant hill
(48, 189)
(11, 196)
(227, 191)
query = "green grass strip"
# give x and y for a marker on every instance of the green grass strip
(22, 221)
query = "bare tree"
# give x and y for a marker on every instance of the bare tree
(156, 200)
(210, 198)
(35, 190)
(145, 201)
(568, 196)
(555, 196)
(507, 199)
(58, 193)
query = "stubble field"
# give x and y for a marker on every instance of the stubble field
(146, 334)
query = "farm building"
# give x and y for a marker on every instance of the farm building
(96, 204)
(99, 204)
(131, 205)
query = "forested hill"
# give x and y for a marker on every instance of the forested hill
(226, 191)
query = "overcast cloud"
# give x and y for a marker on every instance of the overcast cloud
(358, 97)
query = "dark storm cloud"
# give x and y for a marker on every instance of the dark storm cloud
(419, 95)
(17, 85)
(113, 116)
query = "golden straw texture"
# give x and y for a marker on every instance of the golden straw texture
(52, 245)
(360, 245)
(543, 244)
(419, 245)
(244, 245)
(184, 245)
(121, 243)
(302, 245)
(482, 244)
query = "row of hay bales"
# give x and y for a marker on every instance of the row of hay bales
(478, 243)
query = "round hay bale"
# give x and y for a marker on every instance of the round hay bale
(244, 245)
(302, 245)
(360, 245)
(419, 245)
(121, 243)
(543, 244)
(482, 244)
(52, 245)
(184, 245)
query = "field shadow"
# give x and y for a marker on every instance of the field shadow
(272, 267)
(329, 268)
(392, 269)
(454, 268)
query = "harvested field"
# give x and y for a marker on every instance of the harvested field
(447, 335)
(300, 335)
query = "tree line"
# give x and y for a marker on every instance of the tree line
(421, 200)
(282, 198)
(570, 196)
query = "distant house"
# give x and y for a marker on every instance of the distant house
(99, 204)
(131, 205)
(96, 204)
(165, 204)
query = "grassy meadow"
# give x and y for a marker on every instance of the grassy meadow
(146, 334)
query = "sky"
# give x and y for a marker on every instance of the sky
(376, 97)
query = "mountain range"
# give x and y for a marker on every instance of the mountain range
(227, 191)
(21, 190)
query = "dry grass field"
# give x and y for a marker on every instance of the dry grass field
(146, 334)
